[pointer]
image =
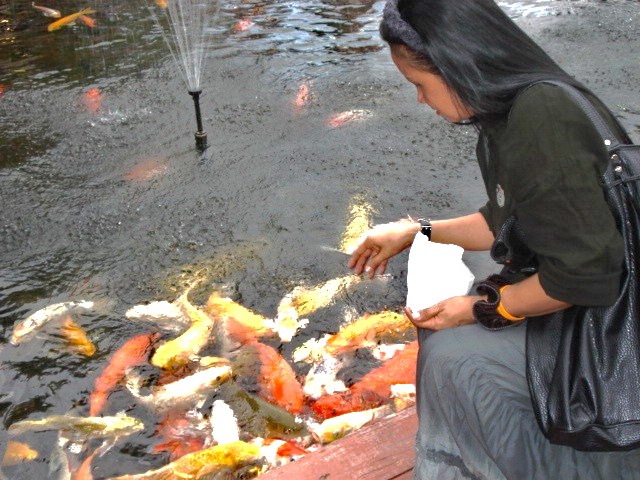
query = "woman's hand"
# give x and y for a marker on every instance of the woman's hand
(380, 244)
(452, 312)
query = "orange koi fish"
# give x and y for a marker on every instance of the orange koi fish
(134, 351)
(161, 3)
(180, 436)
(243, 24)
(46, 11)
(374, 388)
(88, 21)
(341, 119)
(146, 170)
(69, 19)
(277, 380)
(92, 99)
(84, 470)
(303, 96)
(77, 338)
(17, 452)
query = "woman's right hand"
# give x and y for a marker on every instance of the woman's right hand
(380, 244)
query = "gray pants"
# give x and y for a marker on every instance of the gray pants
(476, 420)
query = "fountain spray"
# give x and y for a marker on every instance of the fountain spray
(188, 21)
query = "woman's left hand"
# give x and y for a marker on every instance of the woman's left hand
(452, 312)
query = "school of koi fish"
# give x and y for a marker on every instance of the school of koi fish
(204, 357)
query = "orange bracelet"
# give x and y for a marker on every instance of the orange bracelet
(503, 312)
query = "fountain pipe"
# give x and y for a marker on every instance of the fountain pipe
(201, 135)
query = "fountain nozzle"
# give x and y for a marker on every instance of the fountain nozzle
(201, 135)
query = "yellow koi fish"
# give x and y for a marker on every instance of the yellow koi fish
(359, 224)
(81, 428)
(181, 350)
(337, 427)
(77, 338)
(69, 19)
(240, 323)
(303, 301)
(18, 452)
(228, 456)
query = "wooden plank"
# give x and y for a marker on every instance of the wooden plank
(383, 450)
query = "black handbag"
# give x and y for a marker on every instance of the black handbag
(583, 363)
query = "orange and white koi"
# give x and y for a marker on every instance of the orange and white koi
(243, 24)
(27, 328)
(181, 434)
(69, 19)
(46, 11)
(374, 388)
(133, 352)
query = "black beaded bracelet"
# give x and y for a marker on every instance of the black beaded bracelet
(485, 311)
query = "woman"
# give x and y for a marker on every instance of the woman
(541, 160)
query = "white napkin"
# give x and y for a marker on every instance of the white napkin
(435, 272)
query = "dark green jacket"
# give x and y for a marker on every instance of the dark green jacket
(545, 163)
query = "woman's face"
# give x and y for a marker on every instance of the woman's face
(432, 90)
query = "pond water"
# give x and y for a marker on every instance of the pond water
(105, 198)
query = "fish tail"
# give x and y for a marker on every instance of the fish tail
(87, 11)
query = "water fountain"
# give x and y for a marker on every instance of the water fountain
(188, 22)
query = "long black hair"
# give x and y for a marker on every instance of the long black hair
(478, 51)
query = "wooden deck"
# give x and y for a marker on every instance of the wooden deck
(383, 450)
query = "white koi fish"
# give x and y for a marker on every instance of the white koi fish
(27, 328)
(46, 11)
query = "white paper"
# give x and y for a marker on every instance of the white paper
(435, 272)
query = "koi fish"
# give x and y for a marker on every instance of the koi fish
(240, 323)
(46, 11)
(165, 315)
(185, 392)
(92, 98)
(69, 19)
(182, 434)
(81, 428)
(224, 424)
(359, 223)
(321, 378)
(146, 170)
(278, 452)
(84, 470)
(17, 452)
(277, 380)
(337, 427)
(161, 3)
(367, 331)
(27, 328)
(259, 417)
(88, 21)
(374, 388)
(341, 119)
(243, 24)
(77, 338)
(194, 465)
(133, 352)
(303, 301)
(303, 96)
(180, 350)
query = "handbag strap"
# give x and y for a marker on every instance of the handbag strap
(610, 138)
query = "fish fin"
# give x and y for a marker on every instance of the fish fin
(87, 11)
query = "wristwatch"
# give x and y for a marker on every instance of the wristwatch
(425, 227)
